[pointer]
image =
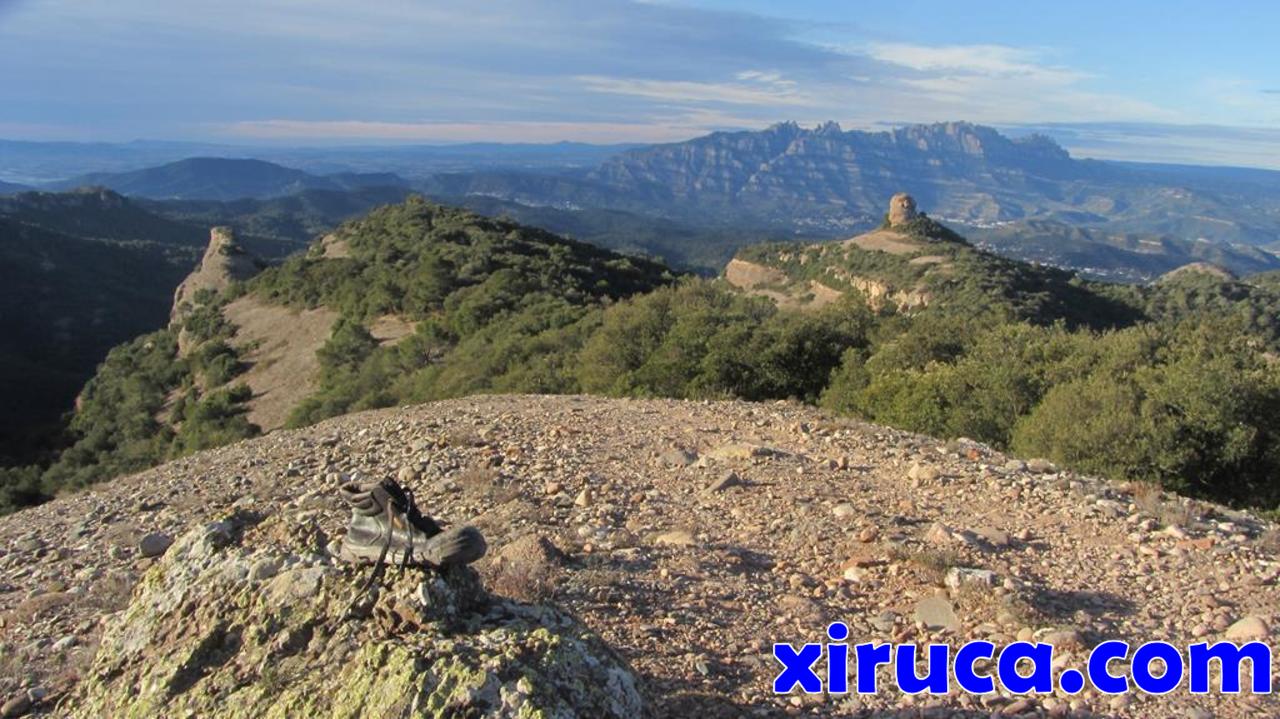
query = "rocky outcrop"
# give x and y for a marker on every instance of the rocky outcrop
(224, 262)
(750, 275)
(902, 209)
(243, 618)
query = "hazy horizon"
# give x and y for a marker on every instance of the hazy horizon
(1191, 87)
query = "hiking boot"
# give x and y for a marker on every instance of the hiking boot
(386, 527)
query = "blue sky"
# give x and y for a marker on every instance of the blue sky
(1176, 81)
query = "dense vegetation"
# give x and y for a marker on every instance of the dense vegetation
(1176, 383)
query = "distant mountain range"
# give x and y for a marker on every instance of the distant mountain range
(211, 178)
(40, 163)
(836, 182)
(8, 188)
(694, 203)
(1102, 253)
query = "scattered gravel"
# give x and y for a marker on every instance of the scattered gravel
(691, 536)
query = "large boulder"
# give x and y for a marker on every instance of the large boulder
(254, 619)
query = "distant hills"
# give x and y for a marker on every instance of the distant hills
(211, 178)
(1104, 253)
(8, 188)
(39, 163)
(291, 222)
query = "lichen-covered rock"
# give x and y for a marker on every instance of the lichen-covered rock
(205, 635)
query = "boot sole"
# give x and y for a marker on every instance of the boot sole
(452, 547)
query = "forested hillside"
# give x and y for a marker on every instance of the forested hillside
(1175, 382)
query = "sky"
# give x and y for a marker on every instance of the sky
(1162, 80)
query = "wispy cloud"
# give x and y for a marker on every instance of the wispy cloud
(760, 89)
(975, 60)
(514, 131)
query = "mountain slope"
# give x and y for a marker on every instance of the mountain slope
(9, 188)
(476, 298)
(208, 178)
(98, 213)
(1109, 254)
(294, 220)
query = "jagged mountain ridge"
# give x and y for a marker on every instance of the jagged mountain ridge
(830, 180)
(788, 164)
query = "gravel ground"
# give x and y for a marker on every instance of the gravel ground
(692, 536)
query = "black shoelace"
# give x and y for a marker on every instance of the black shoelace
(367, 588)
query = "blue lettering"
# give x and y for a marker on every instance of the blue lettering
(1041, 677)
(1230, 656)
(966, 677)
(1099, 675)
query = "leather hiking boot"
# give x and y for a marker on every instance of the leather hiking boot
(386, 527)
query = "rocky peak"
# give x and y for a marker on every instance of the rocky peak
(224, 262)
(829, 127)
(902, 209)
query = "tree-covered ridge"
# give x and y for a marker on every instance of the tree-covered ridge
(417, 259)
(499, 306)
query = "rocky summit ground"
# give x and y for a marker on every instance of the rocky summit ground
(689, 536)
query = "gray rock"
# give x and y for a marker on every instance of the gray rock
(1064, 638)
(997, 538)
(1041, 466)
(264, 569)
(678, 457)
(729, 479)
(30, 544)
(155, 544)
(961, 576)
(884, 621)
(937, 613)
(677, 538)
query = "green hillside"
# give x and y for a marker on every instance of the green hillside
(494, 303)
(1176, 382)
